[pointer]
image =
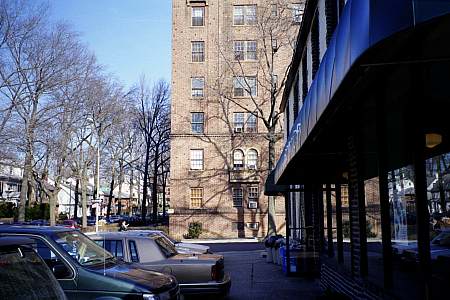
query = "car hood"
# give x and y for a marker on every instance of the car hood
(193, 247)
(141, 275)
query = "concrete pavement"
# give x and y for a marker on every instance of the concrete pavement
(253, 278)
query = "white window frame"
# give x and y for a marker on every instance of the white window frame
(238, 121)
(196, 197)
(197, 159)
(238, 162)
(245, 86)
(198, 91)
(198, 17)
(196, 123)
(247, 15)
(250, 164)
(245, 50)
(252, 119)
(238, 196)
(198, 51)
(297, 12)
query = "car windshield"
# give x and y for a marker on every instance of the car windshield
(442, 239)
(166, 247)
(168, 237)
(81, 248)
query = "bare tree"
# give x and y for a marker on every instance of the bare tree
(262, 81)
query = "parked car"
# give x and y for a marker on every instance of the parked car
(70, 224)
(182, 248)
(86, 271)
(439, 247)
(24, 275)
(196, 274)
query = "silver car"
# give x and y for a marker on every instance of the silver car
(196, 273)
(182, 248)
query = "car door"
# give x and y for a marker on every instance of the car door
(62, 269)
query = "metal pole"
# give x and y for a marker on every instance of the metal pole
(287, 198)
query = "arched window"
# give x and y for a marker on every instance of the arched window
(238, 159)
(252, 158)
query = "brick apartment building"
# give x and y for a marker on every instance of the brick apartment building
(221, 95)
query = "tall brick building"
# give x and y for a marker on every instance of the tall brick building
(229, 59)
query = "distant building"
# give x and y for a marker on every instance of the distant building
(219, 150)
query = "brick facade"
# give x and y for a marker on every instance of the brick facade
(218, 177)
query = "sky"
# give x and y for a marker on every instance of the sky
(129, 37)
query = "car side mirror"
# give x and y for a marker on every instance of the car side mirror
(60, 271)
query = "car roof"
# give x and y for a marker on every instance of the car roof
(33, 229)
(116, 234)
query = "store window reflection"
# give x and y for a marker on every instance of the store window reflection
(438, 192)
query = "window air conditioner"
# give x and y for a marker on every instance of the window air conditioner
(238, 129)
(252, 205)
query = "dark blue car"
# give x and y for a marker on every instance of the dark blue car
(86, 271)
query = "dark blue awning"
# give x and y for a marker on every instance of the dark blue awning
(363, 25)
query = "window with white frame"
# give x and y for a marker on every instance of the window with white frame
(238, 159)
(198, 86)
(245, 50)
(238, 197)
(252, 125)
(274, 10)
(297, 12)
(244, 15)
(244, 86)
(253, 196)
(198, 51)
(252, 159)
(197, 122)
(196, 159)
(238, 121)
(196, 197)
(198, 16)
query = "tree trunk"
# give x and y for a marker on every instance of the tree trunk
(271, 226)
(84, 183)
(25, 181)
(119, 196)
(164, 199)
(155, 185)
(130, 213)
(146, 167)
(77, 199)
(52, 199)
(111, 189)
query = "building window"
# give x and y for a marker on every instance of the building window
(198, 86)
(237, 226)
(238, 121)
(238, 159)
(244, 86)
(196, 197)
(251, 122)
(245, 50)
(253, 196)
(197, 122)
(297, 12)
(274, 10)
(252, 158)
(244, 15)
(237, 197)
(253, 226)
(198, 16)
(198, 51)
(197, 159)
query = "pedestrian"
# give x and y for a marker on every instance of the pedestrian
(123, 226)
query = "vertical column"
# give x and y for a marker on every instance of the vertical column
(357, 211)
(384, 190)
(330, 246)
(340, 236)
(287, 199)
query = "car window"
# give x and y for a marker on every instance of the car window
(166, 247)
(24, 275)
(133, 251)
(81, 248)
(115, 247)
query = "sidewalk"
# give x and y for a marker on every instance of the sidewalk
(253, 278)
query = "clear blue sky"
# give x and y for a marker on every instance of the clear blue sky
(129, 37)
